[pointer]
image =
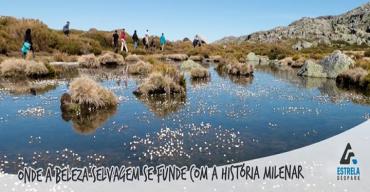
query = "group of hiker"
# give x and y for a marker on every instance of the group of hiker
(146, 40)
(121, 38)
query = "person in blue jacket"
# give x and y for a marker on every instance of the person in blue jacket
(27, 44)
(162, 41)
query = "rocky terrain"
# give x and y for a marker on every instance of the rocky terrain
(352, 27)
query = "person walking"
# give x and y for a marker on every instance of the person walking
(146, 40)
(123, 41)
(66, 29)
(136, 39)
(197, 41)
(162, 41)
(27, 44)
(115, 38)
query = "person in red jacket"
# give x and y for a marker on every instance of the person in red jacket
(123, 41)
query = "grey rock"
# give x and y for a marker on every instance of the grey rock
(312, 69)
(336, 63)
(252, 59)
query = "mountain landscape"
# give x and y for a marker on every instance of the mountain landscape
(352, 27)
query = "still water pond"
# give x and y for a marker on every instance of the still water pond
(224, 120)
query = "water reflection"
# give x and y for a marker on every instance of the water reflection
(200, 81)
(25, 87)
(326, 87)
(239, 80)
(87, 122)
(164, 105)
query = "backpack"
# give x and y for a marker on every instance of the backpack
(26, 47)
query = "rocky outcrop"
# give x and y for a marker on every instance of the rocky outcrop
(257, 60)
(303, 45)
(336, 63)
(330, 67)
(352, 27)
(312, 69)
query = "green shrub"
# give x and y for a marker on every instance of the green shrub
(71, 47)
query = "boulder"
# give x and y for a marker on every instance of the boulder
(312, 69)
(264, 61)
(330, 67)
(336, 63)
(302, 45)
(252, 59)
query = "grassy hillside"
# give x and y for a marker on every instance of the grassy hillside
(47, 40)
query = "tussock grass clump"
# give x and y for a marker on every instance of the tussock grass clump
(110, 58)
(21, 67)
(178, 57)
(199, 73)
(189, 64)
(88, 61)
(162, 67)
(132, 59)
(157, 84)
(13, 67)
(240, 69)
(232, 66)
(86, 92)
(196, 58)
(140, 68)
(36, 69)
(353, 78)
(63, 57)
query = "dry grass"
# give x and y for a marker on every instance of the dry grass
(88, 61)
(86, 92)
(13, 67)
(199, 73)
(157, 84)
(196, 58)
(36, 69)
(132, 59)
(160, 66)
(353, 77)
(178, 57)
(240, 69)
(63, 57)
(140, 68)
(110, 58)
(232, 66)
(363, 63)
(20, 67)
(189, 64)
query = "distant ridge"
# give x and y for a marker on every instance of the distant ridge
(352, 27)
